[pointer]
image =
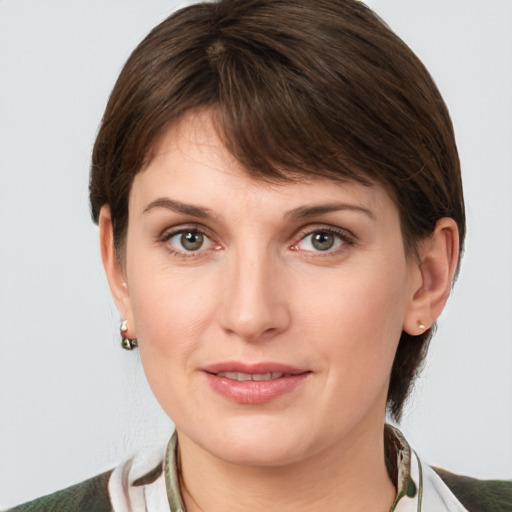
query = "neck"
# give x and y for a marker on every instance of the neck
(350, 476)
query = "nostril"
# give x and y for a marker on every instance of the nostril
(253, 306)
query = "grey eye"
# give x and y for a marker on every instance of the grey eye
(323, 241)
(191, 241)
(188, 241)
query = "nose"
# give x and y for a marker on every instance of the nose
(254, 305)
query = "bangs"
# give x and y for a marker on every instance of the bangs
(278, 123)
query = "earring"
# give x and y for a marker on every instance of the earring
(421, 326)
(126, 343)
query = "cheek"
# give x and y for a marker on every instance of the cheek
(170, 306)
(171, 318)
(171, 312)
(358, 323)
(367, 298)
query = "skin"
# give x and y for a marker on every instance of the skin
(258, 290)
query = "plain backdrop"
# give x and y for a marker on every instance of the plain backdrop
(72, 403)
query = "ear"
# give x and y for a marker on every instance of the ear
(434, 273)
(114, 270)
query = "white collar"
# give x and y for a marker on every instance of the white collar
(148, 482)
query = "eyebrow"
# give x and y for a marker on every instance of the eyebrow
(178, 207)
(297, 213)
(320, 209)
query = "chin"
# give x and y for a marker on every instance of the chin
(257, 453)
(258, 442)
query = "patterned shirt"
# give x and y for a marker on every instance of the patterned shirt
(149, 482)
(419, 488)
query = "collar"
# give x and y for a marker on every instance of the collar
(419, 488)
(151, 482)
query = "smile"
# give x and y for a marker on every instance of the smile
(254, 384)
(243, 377)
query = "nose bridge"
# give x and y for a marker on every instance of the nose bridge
(254, 307)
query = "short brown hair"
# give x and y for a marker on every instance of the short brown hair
(298, 88)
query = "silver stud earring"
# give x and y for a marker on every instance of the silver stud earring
(421, 326)
(127, 343)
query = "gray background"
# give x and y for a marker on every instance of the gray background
(72, 403)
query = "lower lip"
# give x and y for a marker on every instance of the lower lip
(255, 392)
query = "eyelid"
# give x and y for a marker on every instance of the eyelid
(346, 236)
(170, 232)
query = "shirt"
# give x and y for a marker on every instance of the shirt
(419, 488)
(149, 482)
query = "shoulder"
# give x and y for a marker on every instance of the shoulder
(138, 483)
(479, 495)
(89, 496)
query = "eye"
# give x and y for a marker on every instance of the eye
(321, 241)
(188, 241)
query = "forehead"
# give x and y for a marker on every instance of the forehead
(191, 163)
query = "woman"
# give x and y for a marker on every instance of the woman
(281, 217)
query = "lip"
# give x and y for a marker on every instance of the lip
(254, 392)
(263, 367)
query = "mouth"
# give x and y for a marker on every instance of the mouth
(258, 377)
(254, 384)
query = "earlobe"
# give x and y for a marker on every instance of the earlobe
(113, 267)
(438, 259)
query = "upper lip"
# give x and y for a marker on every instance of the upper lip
(253, 368)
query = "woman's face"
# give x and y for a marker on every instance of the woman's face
(267, 316)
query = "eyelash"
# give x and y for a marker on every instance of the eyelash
(170, 234)
(346, 238)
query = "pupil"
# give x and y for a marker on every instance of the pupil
(192, 241)
(322, 241)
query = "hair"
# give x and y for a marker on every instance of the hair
(296, 89)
